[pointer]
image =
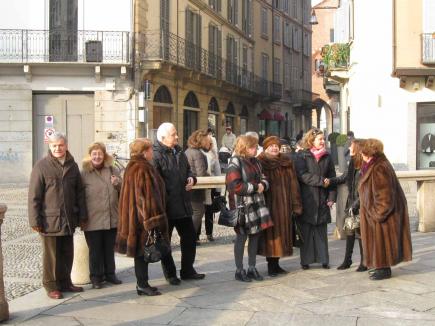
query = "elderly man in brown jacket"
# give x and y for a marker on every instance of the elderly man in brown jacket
(56, 207)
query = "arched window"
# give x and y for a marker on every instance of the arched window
(191, 100)
(162, 95)
(213, 105)
(213, 115)
(230, 113)
(244, 120)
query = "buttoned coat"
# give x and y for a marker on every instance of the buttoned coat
(56, 198)
(385, 230)
(101, 196)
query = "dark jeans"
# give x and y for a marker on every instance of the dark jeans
(57, 261)
(101, 245)
(187, 234)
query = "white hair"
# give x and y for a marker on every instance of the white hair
(252, 134)
(56, 136)
(163, 130)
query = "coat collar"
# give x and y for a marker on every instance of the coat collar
(88, 167)
(379, 160)
(158, 146)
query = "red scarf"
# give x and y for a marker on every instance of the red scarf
(318, 153)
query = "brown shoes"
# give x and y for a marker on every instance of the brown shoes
(56, 294)
(72, 288)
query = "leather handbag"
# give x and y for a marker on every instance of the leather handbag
(217, 203)
(351, 222)
(298, 239)
(231, 217)
(156, 247)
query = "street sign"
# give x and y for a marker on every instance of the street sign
(47, 133)
(49, 121)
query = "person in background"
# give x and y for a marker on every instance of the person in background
(384, 220)
(56, 206)
(214, 148)
(314, 165)
(229, 139)
(351, 178)
(172, 165)
(102, 186)
(141, 210)
(283, 200)
(245, 179)
(350, 138)
(197, 142)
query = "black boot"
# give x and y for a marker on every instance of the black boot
(271, 266)
(278, 268)
(381, 274)
(361, 267)
(350, 241)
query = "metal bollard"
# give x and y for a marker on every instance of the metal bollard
(4, 307)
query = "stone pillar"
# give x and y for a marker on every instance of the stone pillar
(4, 307)
(426, 206)
(342, 193)
(80, 269)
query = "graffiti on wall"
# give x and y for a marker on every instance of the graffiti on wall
(9, 156)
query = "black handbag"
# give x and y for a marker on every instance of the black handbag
(156, 247)
(231, 217)
(217, 203)
(298, 239)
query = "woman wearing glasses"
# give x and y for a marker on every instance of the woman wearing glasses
(314, 165)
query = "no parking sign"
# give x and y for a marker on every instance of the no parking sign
(47, 133)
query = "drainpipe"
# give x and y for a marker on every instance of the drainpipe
(393, 73)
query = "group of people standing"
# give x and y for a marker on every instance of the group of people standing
(155, 193)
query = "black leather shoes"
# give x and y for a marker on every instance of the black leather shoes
(345, 265)
(195, 276)
(97, 285)
(173, 280)
(72, 288)
(241, 276)
(381, 274)
(113, 279)
(361, 268)
(305, 266)
(325, 266)
(149, 291)
(253, 274)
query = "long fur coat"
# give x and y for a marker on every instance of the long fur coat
(283, 200)
(141, 207)
(385, 230)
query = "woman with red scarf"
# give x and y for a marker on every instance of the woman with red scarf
(314, 165)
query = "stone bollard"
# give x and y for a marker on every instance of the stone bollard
(426, 205)
(342, 193)
(4, 307)
(80, 269)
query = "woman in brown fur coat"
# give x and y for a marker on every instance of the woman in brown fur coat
(283, 200)
(141, 209)
(385, 231)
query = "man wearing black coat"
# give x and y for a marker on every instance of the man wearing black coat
(171, 162)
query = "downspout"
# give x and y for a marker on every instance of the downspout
(393, 73)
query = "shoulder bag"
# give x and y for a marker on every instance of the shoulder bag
(156, 247)
(351, 222)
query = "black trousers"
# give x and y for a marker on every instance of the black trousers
(101, 245)
(57, 261)
(141, 271)
(187, 233)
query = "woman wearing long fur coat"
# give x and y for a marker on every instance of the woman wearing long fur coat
(141, 209)
(385, 230)
(283, 200)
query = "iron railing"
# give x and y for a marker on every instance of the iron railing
(168, 47)
(428, 50)
(32, 46)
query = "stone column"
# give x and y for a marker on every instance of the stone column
(80, 269)
(426, 206)
(4, 307)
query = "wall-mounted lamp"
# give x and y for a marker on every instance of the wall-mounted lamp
(313, 18)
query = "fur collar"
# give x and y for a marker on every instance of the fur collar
(88, 167)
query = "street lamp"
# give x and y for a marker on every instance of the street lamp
(313, 18)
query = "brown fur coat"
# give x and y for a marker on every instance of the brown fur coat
(385, 230)
(141, 207)
(283, 199)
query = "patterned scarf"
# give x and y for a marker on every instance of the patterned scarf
(318, 153)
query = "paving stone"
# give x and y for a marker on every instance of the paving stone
(392, 322)
(196, 316)
(267, 318)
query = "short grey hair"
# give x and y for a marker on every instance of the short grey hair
(56, 136)
(252, 134)
(163, 130)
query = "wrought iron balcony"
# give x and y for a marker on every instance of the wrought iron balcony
(38, 46)
(428, 51)
(170, 48)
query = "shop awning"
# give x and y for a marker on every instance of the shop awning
(265, 115)
(279, 116)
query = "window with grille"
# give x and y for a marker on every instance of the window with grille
(277, 70)
(264, 21)
(277, 29)
(232, 11)
(264, 64)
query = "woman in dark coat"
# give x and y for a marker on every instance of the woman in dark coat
(351, 178)
(199, 140)
(283, 200)
(245, 179)
(385, 230)
(314, 165)
(141, 209)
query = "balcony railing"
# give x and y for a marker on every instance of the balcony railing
(33, 46)
(168, 47)
(428, 51)
(302, 96)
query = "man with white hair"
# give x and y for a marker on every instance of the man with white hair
(56, 206)
(172, 164)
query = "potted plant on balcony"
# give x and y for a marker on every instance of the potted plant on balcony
(341, 141)
(336, 55)
(332, 139)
